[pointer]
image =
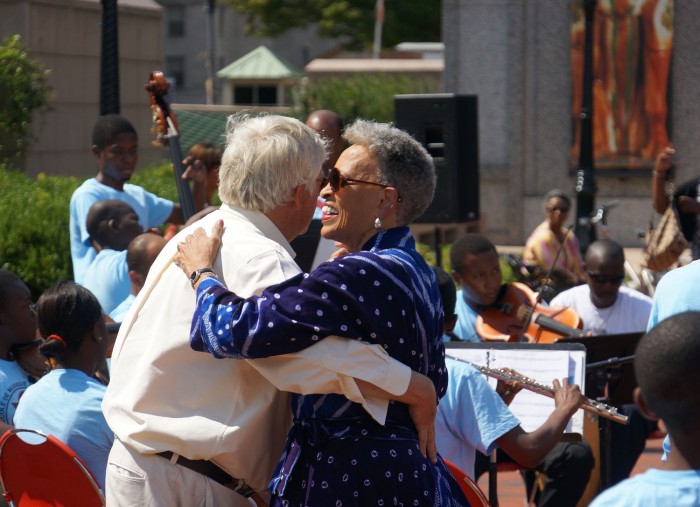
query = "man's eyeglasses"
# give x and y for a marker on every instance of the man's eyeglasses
(337, 181)
(601, 279)
(553, 209)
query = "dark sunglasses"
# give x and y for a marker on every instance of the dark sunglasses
(337, 181)
(553, 209)
(601, 279)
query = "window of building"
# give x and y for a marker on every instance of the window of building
(175, 70)
(255, 95)
(175, 20)
(267, 95)
(243, 95)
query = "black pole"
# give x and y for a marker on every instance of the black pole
(585, 178)
(209, 60)
(109, 61)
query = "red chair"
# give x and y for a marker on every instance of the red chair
(469, 487)
(38, 470)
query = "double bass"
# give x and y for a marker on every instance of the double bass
(519, 317)
(166, 129)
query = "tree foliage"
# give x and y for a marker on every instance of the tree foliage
(404, 20)
(369, 96)
(34, 219)
(24, 89)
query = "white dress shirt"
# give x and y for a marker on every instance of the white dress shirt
(163, 396)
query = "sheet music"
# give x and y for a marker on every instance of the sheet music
(542, 365)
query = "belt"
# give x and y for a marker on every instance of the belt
(206, 467)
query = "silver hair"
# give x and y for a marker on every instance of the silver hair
(402, 163)
(266, 158)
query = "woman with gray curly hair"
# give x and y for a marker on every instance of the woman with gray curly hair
(381, 292)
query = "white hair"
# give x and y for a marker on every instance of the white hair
(265, 159)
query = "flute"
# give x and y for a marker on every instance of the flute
(590, 405)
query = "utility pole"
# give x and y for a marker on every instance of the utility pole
(109, 60)
(585, 177)
(209, 60)
(378, 25)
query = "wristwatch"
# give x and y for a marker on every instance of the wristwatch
(197, 273)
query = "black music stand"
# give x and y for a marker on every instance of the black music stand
(619, 379)
(611, 381)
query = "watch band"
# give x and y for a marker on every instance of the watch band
(197, 273)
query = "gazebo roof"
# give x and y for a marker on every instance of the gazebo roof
(261, 63)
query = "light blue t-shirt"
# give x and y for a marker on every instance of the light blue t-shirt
(465, 329)
(151, 210)
(470, 416)
(68, 405)
(677, 292)
(654, 488)
(13, 382)
(118, 314)
(107, 277)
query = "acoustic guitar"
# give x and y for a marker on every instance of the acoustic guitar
(166, 129)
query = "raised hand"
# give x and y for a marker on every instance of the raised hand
(664, 160)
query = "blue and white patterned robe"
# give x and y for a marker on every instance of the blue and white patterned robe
(336, 453)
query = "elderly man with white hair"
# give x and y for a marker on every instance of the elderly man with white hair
(195, 430)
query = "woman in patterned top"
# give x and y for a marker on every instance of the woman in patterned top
(381, 292)
(544, 244)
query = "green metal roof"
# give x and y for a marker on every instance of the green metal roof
(200, 126)
(261, 63)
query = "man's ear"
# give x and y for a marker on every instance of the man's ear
(113, 224)
(96, 150)
(135, 278)
(456, 277)
(301, 193)
(647, 412)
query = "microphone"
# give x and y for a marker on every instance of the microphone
(609, 206)
(599, 215)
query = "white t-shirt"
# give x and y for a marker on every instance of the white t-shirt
(629, 313)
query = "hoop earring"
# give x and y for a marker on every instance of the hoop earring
(377, 223)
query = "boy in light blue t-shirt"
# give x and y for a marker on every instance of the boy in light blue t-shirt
(665, 363)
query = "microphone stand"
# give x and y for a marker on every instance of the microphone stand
(538, 298)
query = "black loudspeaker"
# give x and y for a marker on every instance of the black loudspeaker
(446, 125)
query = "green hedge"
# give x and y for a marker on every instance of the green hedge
(34, 223)
(34, 218)
(359, 95)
